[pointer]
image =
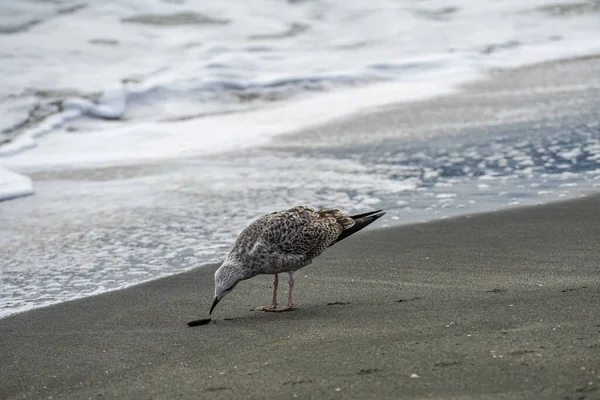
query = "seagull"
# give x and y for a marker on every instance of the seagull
(285, 241)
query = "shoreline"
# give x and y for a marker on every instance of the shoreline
(495, 305)
(90, 202)
(374, 228)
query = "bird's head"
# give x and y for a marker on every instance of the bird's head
(229, 274)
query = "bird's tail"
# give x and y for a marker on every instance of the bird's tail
(360, 221)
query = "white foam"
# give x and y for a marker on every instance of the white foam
(111, 105)
(14, 185)
(183, 69)
(143, 141)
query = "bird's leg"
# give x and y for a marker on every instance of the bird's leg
(275, 283)
(273, 305)
(290, 304)
(290, 298)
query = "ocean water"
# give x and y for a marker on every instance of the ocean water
(146, 134)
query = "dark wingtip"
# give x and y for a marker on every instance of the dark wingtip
(378, 214)
(374, 217)
(367, 214)
(360, 221)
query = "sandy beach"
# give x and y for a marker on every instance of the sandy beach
(500, 305)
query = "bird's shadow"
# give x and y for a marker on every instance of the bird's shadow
(302, 313)
(308, 311)
(305, 312)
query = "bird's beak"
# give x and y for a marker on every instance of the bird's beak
(215, 302)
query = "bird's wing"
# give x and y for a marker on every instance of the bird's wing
(250, 235)
(303, 232)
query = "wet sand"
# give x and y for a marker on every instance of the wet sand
(499, 305)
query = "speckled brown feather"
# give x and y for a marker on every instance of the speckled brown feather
(288, 240)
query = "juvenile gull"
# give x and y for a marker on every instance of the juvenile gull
(285, 241)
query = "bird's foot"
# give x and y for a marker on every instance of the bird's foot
(266, 308)
(285, 308)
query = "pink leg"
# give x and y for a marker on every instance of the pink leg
(290, 304)
(275, 283)
(273, 305)
(290, 299)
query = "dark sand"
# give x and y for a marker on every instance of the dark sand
(502, 305)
